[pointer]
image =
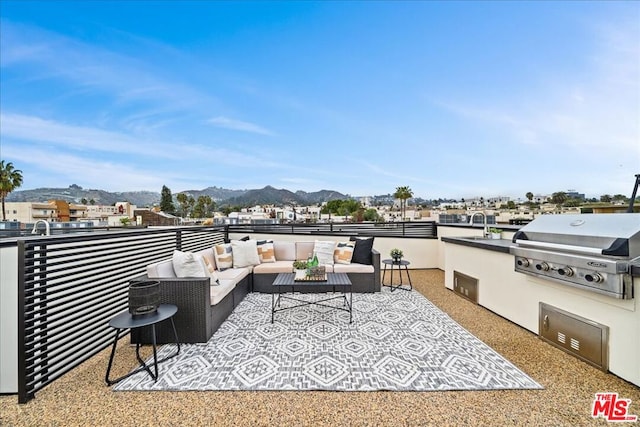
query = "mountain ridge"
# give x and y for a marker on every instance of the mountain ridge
(267, 195)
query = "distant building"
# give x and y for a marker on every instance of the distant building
(575, 195)
(366, 201)
(148, 217)
(62, 211)
(52, 211)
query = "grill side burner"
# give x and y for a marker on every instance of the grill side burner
(590, 251)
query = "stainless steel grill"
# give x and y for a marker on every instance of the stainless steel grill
(591, 251)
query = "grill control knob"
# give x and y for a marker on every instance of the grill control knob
(523, 262)
(543, 266)
(565, 271)
(594, 277)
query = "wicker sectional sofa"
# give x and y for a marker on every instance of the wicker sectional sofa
(203, 306)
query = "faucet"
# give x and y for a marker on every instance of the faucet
(484, 216)
(46, 227)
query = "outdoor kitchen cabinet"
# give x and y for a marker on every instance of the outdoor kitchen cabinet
(517, 297)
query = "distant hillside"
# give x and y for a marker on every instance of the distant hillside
(321, 196)
(273, 196)
(216, 193)
(265, 196)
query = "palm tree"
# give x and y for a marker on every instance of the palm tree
(559, 198)
(403, 193)
(529, 196)
(10, 179)
(183, 199)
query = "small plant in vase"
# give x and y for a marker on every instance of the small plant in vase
(300, 269)
(495, 233)
(396, 254)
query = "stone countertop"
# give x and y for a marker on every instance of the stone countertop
(497, 245)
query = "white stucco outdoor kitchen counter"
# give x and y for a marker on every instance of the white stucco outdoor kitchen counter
(517, 297)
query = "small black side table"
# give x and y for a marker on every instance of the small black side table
(398, 264)
(126, 321)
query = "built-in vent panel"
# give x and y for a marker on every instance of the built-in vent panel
(584, 338)
(465, 286)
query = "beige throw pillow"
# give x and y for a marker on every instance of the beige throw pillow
(266, 251)
(215, 280)
(224, 256)
(344, 252)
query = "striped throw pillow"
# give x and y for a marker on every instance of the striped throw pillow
(343, 252)
(224, 256)
(266, 251)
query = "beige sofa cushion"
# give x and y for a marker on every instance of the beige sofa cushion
(353, 268)
(285, 251)
(222, 290)
(235, 274)
(274, 267)
(161, 269)
(304, 250)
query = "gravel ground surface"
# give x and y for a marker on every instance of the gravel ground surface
(81, 398)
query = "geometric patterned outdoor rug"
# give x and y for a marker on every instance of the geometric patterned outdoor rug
(398, 341)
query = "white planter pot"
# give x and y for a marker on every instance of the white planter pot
(495, 236)
(300, 274)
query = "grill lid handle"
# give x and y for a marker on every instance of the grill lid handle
(559, 246)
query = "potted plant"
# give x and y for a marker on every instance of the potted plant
(396, 254)
(300, 269)
(494, 233)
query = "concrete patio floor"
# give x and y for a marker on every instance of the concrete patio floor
(81, 398)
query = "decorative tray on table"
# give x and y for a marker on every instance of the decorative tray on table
(315, 274)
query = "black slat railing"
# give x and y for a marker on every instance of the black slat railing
(417, 229)
(70, 286)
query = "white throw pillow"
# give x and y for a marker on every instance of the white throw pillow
(188, 264)
(245, 253)
(324, 249)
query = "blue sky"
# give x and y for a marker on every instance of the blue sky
(453, 99)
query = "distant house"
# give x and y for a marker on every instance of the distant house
(151, 218)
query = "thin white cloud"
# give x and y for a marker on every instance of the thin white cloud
(36, 133)
(227, 123)
(37, 130)
(39, 165)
